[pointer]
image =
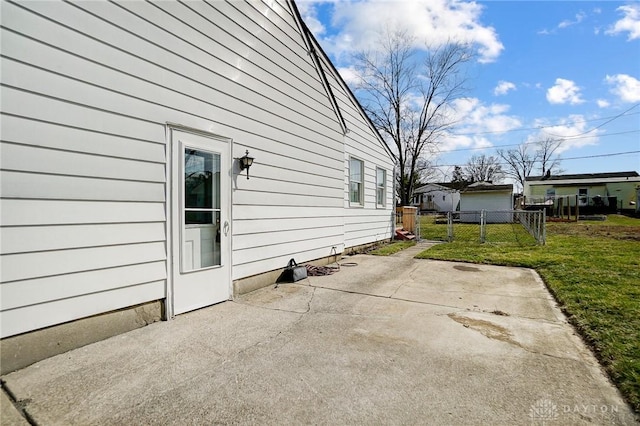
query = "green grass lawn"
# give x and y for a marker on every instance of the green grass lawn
(392, 248)
(434, 228)
(593, 270)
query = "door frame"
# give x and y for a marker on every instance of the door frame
(172, 225)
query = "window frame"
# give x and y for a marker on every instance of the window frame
(383, 188)
(360, 202)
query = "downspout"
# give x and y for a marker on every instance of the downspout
(393, 211)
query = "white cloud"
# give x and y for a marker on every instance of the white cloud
(436, 21)
(603, 103)
(573, 130)
(503, 87)
(478, 124)
(564, 91)
(567, 22)
(580, 16)
(629, 23)
(310, 17)
(349, 75)
(625, 87)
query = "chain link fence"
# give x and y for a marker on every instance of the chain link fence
(486, 226)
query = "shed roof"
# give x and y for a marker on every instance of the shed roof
(488, 187)
(586, 176)
(442, 185)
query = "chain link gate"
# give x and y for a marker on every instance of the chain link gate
(493, 226)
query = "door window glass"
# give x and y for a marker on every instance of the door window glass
(201, 215)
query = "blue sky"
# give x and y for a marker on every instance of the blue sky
(561, 69)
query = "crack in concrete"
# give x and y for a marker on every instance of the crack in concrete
(19, 404)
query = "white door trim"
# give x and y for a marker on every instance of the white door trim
(171, 197)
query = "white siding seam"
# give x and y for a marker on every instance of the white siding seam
(187, 42)
(25, 144)
(199, 82)
(35, 172)
(85, 129)
(340, 234)
(63, 100)
(285, 21)
(255, 191)
(80, 295)
(305, 172)
(282, 43)
(67, 101)
(289, 205)
(129, 95)
(315, 89)
(310, 228)
(299, 159)
(152, 240)
(297, 253)
(84, 200)
(72, 224)
(288, 218)
(83, 270)
(312, 185)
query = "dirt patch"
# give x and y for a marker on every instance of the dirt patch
(487, 328)
(466, 268)
(616, 232)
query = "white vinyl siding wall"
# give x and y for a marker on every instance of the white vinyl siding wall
(370, 222)
(87, 91)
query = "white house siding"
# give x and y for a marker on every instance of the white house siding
(87, 91)
(475, 201)
(370, 222)
(443, 199)
(490, 201)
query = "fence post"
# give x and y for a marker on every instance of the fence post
(482, 225)
(544, 227)
(450, 226)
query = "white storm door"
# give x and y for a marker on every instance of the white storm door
(201, 221)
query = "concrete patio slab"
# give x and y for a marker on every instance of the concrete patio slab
(390, 341)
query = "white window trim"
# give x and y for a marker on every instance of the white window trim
(361, 202)
(384, 187)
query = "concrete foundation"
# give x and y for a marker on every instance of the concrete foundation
(256, 282)
(20, 351)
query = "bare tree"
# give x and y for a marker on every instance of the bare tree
(482, 168)
(520, 162)
(546, 155)
(407, 94)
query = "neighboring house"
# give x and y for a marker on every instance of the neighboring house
(486, 196)
(439, 197)
(123, 127)
(616, 190)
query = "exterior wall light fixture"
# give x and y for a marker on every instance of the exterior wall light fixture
(246, 162)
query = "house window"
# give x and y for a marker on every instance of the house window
(583, 196)
(381, 187)
(356, 181)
